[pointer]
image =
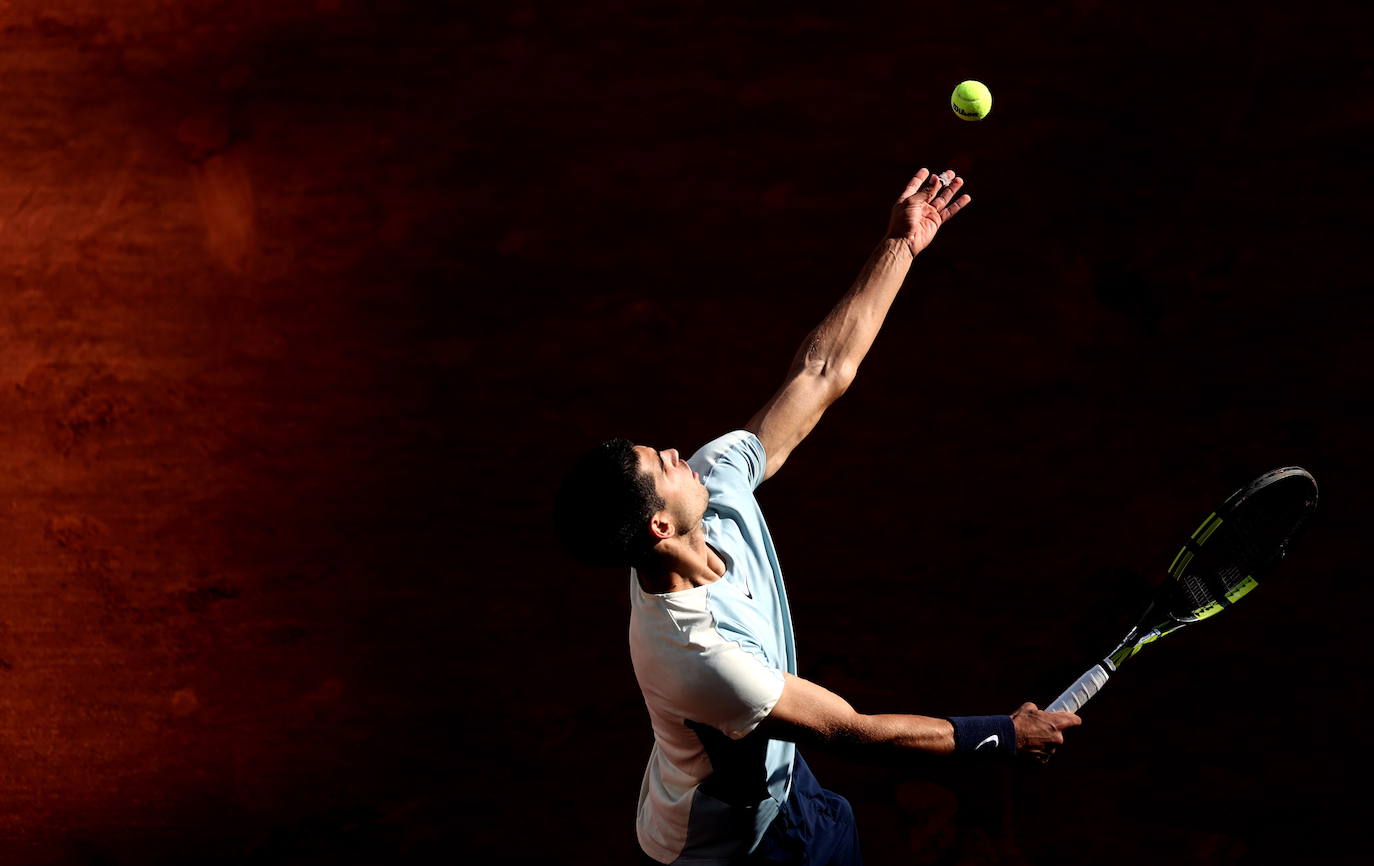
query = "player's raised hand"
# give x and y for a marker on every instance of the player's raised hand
(1039, 733)
(928, 201)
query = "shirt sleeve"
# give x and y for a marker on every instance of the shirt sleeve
(735, 460)
(730, 690)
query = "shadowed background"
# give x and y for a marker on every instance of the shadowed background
(307, 306)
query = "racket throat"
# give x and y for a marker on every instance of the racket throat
(1133, 643)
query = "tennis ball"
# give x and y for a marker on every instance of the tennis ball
(971, 100)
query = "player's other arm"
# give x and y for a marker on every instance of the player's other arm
(811, 714)
(829, 357)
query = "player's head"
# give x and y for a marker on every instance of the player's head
(621, 500)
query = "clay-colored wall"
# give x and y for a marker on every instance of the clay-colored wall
(304, 307)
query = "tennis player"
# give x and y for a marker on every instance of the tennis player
(710, 632)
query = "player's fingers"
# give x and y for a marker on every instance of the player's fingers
(1067, 720)
(928, 192)
(1026, 706)
(954, 207)
(937, 184)
(914, 184)
(946, 195)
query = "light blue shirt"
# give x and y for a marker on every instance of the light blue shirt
(709, 660)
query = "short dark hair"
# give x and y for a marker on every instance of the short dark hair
(603, 507)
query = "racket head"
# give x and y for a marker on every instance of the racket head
(1239, 544)
(1236, 546)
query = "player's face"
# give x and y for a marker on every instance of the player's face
(684, 495)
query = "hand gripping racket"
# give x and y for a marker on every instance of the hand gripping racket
(1234, 548)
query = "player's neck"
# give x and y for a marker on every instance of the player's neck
(681, 563)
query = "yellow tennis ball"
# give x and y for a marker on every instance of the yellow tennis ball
(971, 100)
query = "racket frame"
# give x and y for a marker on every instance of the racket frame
(1151, 627)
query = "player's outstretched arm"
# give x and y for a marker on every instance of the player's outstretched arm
(811, 714)
(830, 355)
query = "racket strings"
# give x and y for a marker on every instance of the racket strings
(1196, 593)
(1251, 539)
(1218, 568)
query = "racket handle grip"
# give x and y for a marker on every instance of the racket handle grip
(1077, 694)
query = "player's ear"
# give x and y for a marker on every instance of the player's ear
(661, 525)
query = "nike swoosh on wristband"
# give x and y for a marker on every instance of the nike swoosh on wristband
(993, 739)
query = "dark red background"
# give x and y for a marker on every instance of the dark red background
(307, 306)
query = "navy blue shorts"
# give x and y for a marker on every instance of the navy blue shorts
(814, 828)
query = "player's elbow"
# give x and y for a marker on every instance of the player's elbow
(848, 731)
(840, 729)
(829, 379)
(825, 364)
(807, 713)
(839, 376)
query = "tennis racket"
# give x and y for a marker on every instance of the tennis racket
(1235, 547)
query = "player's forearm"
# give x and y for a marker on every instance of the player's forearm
(838, 345)
(894, 732)
(810, 713)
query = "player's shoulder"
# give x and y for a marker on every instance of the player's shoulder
(736, 456)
